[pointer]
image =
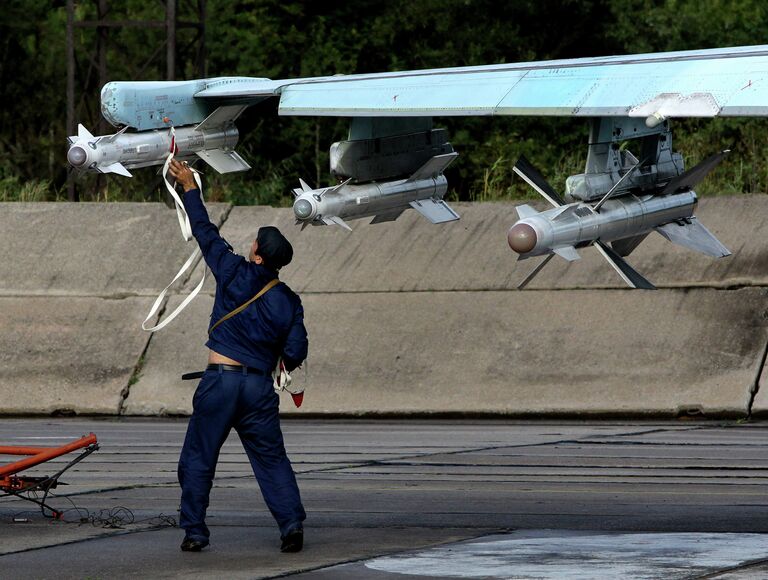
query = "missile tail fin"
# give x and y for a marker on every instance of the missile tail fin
(627, 272)
(535, 271)
(221, 117)
(690, 179)
(692, 234)
(433, 167)
(435, 210)
(336, 220)
(223, 161)
(532, 176)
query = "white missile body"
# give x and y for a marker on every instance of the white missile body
(213, 140)
(423, 191)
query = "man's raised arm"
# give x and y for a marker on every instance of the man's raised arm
(217, 252)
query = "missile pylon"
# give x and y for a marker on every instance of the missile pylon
(621, 221)
(213, 140)
(385, 201)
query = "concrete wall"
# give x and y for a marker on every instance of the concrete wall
(403, 317)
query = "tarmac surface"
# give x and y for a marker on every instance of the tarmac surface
(410, 499)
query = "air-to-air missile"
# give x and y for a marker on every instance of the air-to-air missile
(623, 221)
(213, 140)
(385, 200)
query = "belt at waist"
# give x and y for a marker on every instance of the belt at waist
(237, 369)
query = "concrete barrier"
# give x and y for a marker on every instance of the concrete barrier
(405, 317)
(87, 249)
(64, 355)
(583, 352)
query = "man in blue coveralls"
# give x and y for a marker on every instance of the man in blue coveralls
(236, 389)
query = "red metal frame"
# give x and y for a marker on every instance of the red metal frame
(9, 481)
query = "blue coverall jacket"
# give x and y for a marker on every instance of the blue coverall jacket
(241, 399)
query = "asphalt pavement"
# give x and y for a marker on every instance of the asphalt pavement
(409, 499)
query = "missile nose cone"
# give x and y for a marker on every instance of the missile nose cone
(521, 238)
(76, 156)
(303, 209)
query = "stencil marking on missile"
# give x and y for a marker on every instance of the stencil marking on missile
(386, 201)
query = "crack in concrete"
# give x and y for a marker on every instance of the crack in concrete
(136, 374)
(755, 387)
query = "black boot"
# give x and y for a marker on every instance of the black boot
(293, 541)
(192, 545)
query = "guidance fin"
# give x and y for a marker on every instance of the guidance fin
(83, 133)
(568, 253)
(435, 210)
(627, 272)
(118, 168)
(531, 175)
(524, 211)
(693, 235)
(336, 220)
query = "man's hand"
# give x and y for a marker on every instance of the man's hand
(183, 174)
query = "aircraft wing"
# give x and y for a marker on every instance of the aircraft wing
(700, 83)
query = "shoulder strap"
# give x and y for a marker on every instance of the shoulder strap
(267, 287)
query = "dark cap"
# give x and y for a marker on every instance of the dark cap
(274, 248)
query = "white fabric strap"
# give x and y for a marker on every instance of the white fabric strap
(186, 232)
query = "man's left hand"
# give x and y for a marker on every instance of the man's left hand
(183, 174)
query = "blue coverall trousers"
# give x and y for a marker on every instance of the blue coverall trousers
(247, 402)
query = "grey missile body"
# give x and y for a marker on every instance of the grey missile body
(623, 222)
(384, 201)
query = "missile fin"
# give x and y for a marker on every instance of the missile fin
(568, 253)
(525, 210)
(535, 271)
(118, 168)
(433, 167)
(223, 161)
(689, 179)
(694, 236)
(336, 220)
(304, 186)
(220, 117)
(83, 133)
(627, 272)
(435, 210)
(297, 192)
(532, 176)
(389, 216)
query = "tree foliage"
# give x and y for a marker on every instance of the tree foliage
(289, 38)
